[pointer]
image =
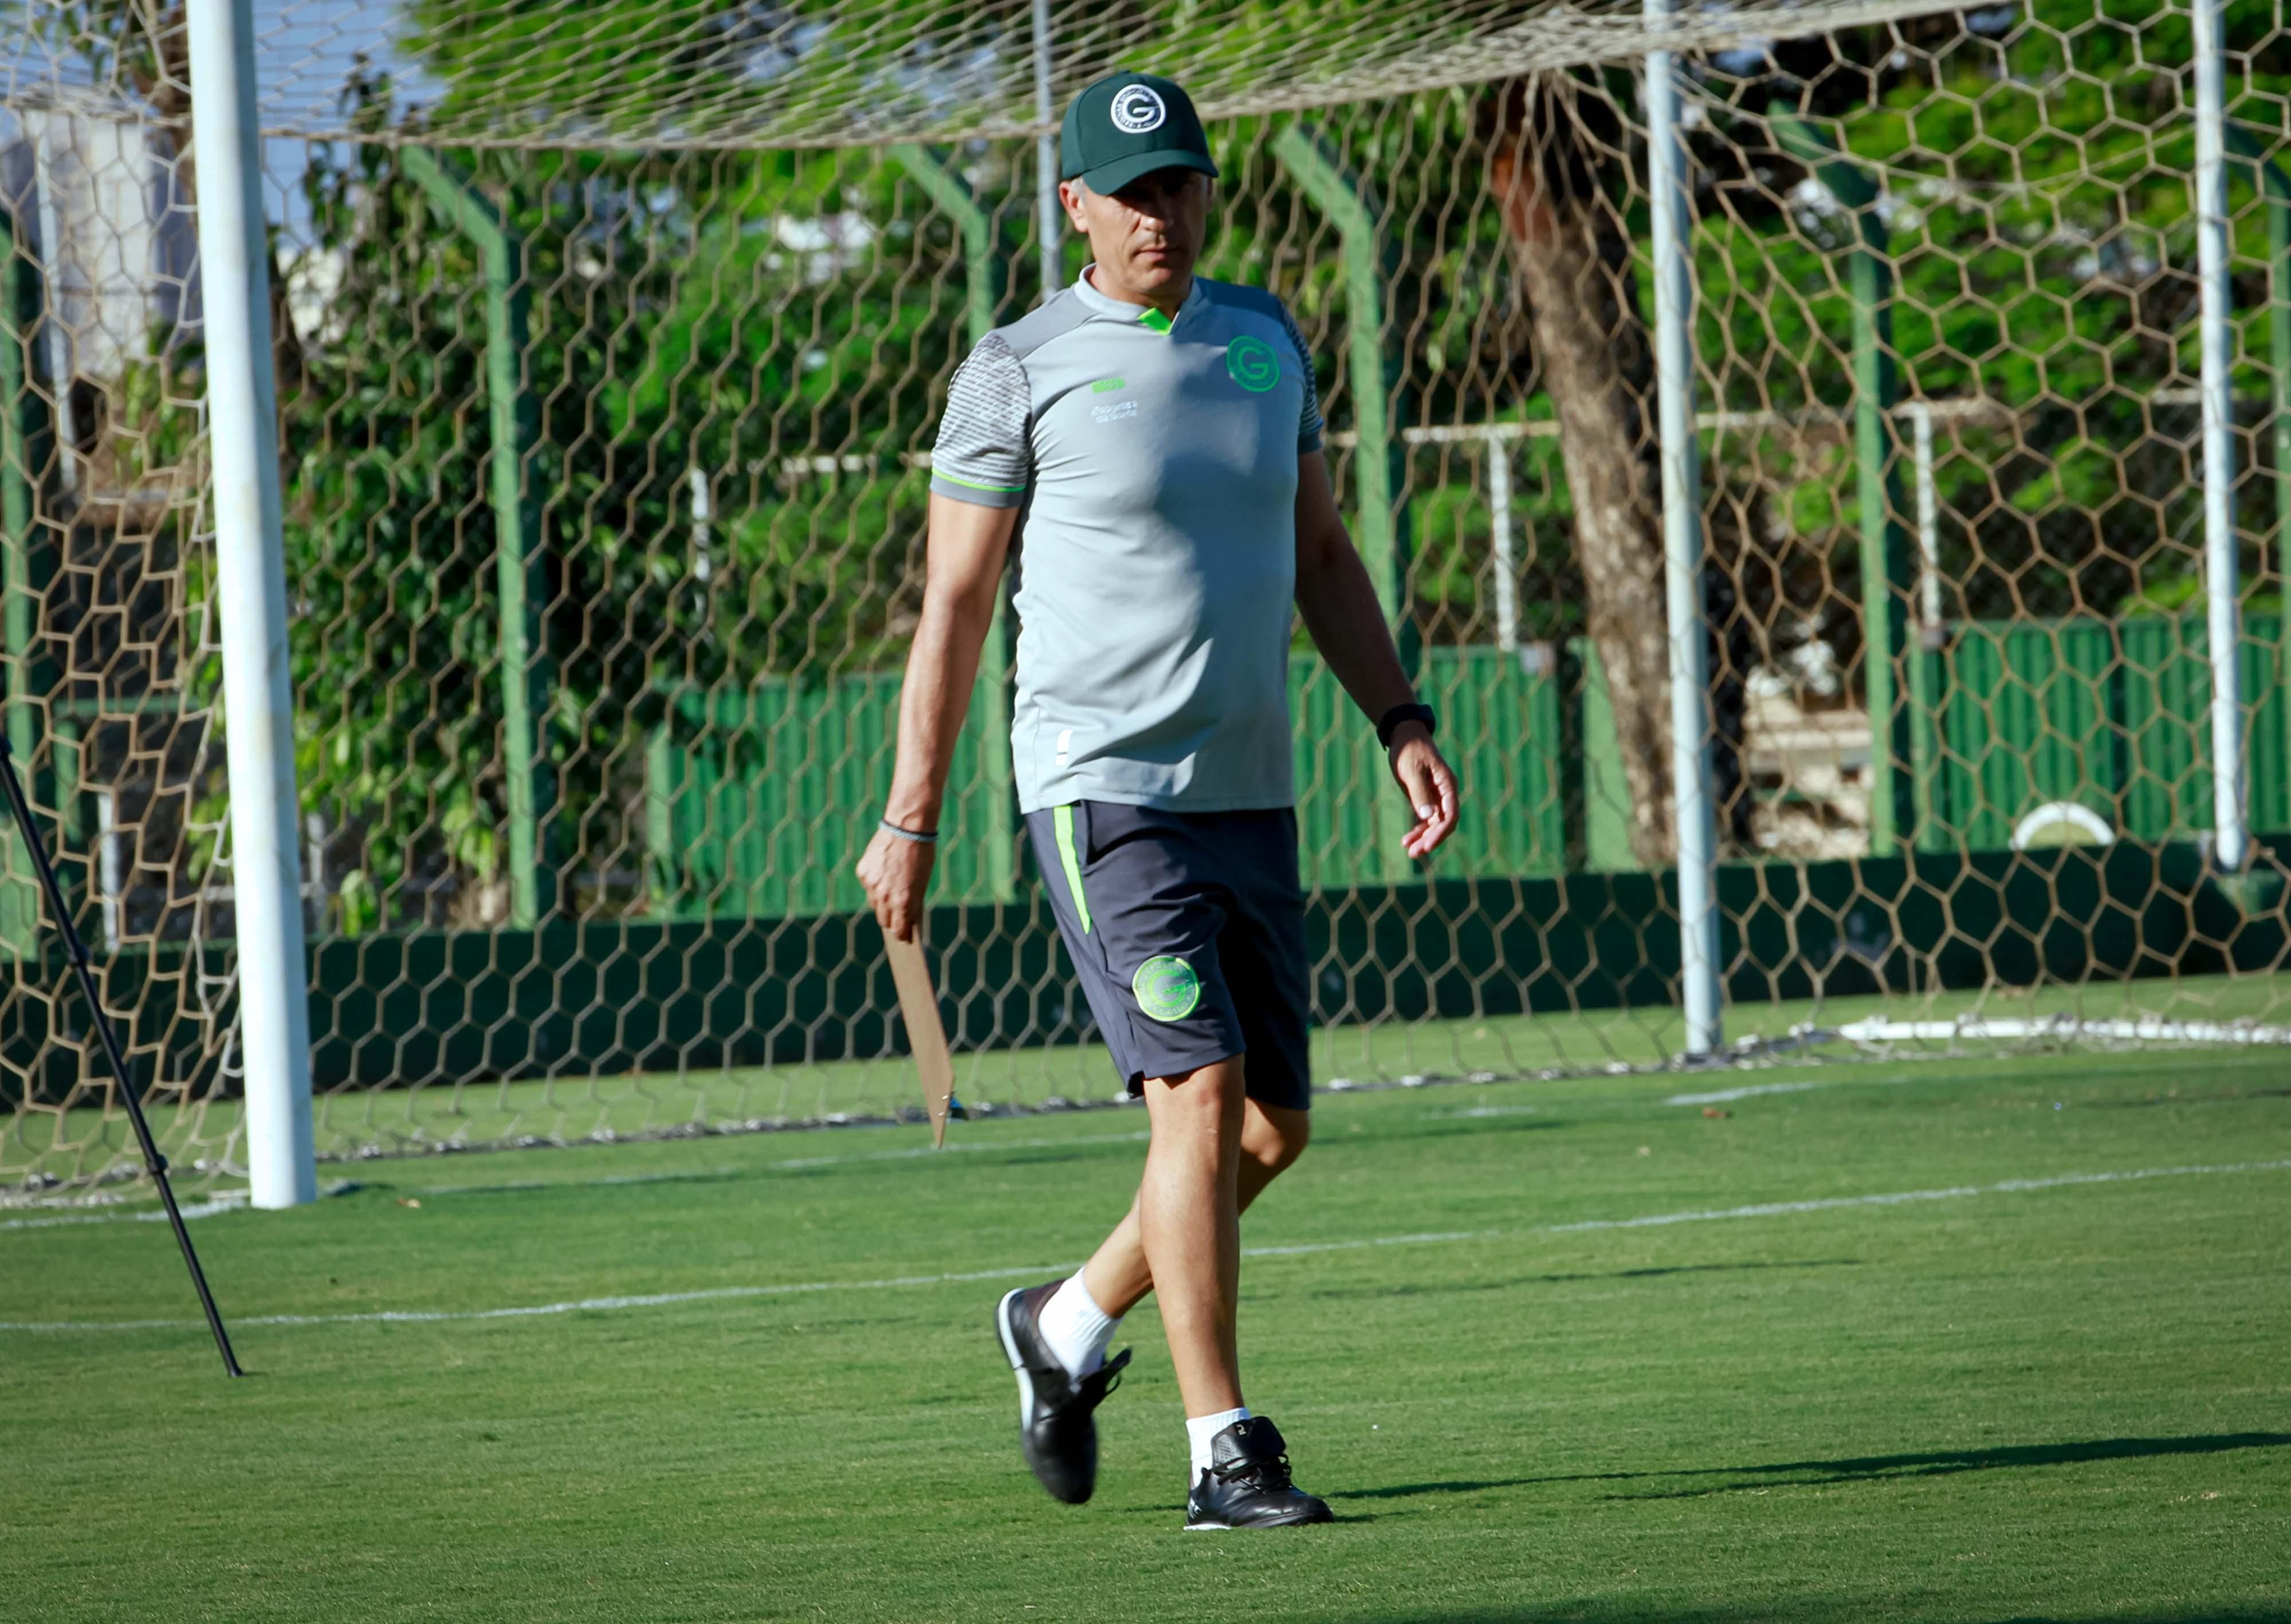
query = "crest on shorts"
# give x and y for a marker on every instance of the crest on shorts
(1166, 987)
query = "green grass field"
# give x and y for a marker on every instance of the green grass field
(2030, 1393)
(80, 1143)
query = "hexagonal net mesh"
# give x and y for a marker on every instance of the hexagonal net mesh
(619, 333)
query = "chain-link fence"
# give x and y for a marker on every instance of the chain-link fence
(610, 344)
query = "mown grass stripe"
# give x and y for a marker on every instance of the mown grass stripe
(2010, 1186)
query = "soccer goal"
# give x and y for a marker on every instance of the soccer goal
(609, 342)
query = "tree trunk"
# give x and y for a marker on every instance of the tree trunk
(1572, 253)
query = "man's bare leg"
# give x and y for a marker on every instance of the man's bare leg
(1190, 1224)
(1272, 1138)
(1212, 1153)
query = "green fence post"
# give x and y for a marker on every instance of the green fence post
(983, 280)
(2275, 186)
(982, 265)
(1379, 460)
(1379, 528)
(20, 617)
(1900, 779)
(526, 674)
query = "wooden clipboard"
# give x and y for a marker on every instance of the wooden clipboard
(925, 1032)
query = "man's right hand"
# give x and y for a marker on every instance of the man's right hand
(962, 581)
(896, 874)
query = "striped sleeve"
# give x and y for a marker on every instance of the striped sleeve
(1308, 419)
(984, 455)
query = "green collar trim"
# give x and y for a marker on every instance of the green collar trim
(1154, 321)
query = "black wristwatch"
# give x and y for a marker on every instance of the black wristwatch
(1391, 720)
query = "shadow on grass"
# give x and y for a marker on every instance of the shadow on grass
(1177, 1509)
(1869, 1468)
(1807, 1473)
(2225, 1097)
(1812, 1609)
(868, 1164)
(1440, 1290)
(1453, 1127)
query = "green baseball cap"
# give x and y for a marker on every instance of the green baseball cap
(1128, 124)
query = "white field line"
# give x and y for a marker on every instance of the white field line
(2146, 1029)
(412, 1316)
(157, 1215)
(2010, 1186)
(793, 1164)
(2063, 1028)
(234, 1202)
(1719, 1097)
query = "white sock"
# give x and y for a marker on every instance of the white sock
(1200, 1429)
(1076, 1328)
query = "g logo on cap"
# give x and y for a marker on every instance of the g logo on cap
(1138, 109)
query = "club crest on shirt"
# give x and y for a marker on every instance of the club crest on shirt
(1253, 364)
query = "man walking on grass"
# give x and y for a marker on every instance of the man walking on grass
(1159, 435)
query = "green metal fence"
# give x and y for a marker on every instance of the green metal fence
(604, 477)
(759, 801)
(2109, 715)
(763, 798)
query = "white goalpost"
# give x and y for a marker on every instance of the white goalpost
(274, 1004)
(455, 611)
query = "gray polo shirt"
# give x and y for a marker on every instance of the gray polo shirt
(1156, 463)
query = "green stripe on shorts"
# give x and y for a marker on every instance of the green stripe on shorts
(1062, 820)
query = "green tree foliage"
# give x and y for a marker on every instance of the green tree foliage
(735, 319)
(2038, 209)
(782, 322)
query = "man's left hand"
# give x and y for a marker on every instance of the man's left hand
(1424, 778)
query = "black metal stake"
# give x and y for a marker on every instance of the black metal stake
(78, 950)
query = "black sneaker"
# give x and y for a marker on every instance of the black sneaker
(1247, 1482)
(1056, 1427)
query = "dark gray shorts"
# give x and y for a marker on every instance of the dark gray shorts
(1187, 929)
